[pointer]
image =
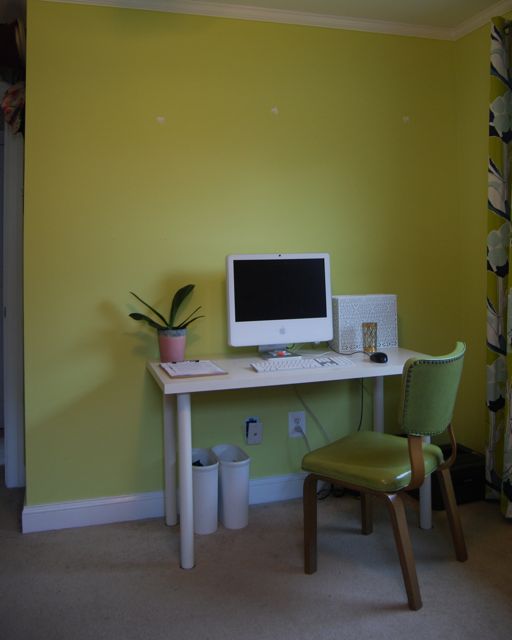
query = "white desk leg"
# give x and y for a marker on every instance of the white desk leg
(378, 404)
(169, 406)
(185, 474)
(426, 499)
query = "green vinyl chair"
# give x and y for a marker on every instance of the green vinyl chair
(386, 466)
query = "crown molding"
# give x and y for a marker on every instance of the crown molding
(482, 18)
(259, 14)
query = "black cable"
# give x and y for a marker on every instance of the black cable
(361, 407)
(331, 490)
(324, 493)
(352, 353)
(311, 414)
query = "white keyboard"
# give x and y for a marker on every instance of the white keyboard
(288, 364)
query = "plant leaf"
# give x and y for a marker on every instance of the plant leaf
(177, 301)
(185, 323)
(151, 309)
(150, 321)
(189, 319)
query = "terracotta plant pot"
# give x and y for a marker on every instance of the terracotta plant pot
(172, 345)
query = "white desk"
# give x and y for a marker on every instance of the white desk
(177, 411)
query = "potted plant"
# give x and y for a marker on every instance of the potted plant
(172, 334)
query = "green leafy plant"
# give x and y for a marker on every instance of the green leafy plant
(171, 323)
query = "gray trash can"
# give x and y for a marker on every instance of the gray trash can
(205, 486)
(234, 466)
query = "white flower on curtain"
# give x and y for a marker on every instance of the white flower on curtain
(499, 55)
(498, 243)
(501, 114)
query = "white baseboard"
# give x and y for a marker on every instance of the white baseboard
(276, 488)
(83, 513)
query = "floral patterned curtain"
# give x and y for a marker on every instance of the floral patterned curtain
(499, 295)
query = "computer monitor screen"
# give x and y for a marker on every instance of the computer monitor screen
(278, 299)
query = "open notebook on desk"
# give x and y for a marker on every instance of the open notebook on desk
(189, 368)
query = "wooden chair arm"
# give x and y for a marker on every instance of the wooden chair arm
(417, 462)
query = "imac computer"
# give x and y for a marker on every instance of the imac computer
(278, 299)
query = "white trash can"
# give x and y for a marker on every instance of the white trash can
(233, 485)
(205, 483)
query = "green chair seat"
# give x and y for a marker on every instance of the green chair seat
(376, 461)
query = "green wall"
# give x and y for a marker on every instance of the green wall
(471, 108)
(369, 159)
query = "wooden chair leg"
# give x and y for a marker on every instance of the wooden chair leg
(366, 514)
(309, 503)
(450, 505)
(404, 548)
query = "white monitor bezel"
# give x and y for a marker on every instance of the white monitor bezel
(278, 332)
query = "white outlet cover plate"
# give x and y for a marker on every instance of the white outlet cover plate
(294, 418)
(254, 433)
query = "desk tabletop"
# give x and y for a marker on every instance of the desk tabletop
(240, 374)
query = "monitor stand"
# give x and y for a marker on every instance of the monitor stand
(277, 351)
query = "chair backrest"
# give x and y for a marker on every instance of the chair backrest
(429, 390)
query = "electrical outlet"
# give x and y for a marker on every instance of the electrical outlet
(253, 430)
(296, 424)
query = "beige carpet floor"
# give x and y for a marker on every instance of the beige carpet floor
(123, 582)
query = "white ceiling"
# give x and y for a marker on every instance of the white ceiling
(447, 19)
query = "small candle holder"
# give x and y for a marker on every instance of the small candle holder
(369, 337)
